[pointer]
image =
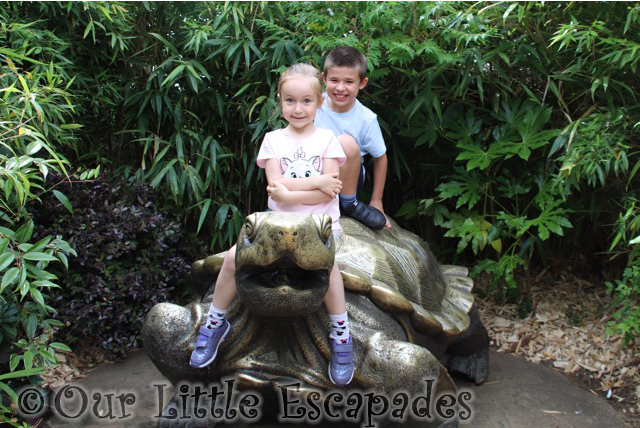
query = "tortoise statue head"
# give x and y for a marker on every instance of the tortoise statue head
(283, 269)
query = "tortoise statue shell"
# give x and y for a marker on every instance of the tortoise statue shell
(410, 318)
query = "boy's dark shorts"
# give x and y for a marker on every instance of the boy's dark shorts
(361, 178)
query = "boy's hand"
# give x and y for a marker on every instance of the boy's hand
(329, 184)
(377, 204)
(278, 191)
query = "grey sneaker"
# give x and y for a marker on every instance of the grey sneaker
(341, 365)
(207, 345)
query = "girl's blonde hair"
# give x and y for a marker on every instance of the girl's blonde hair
(301, 69)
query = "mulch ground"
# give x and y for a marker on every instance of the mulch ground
(565, 330)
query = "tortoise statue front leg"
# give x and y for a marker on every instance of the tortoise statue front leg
(168, 335)
(393, 366)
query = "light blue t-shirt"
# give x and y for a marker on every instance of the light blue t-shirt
(359, 122)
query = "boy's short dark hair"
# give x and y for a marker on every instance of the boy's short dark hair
(346, 56)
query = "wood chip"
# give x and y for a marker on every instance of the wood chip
(569, 367)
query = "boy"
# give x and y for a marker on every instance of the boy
(358, 131)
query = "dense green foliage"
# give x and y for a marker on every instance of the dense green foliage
(512, 127)
(130, 256)
(34, 119)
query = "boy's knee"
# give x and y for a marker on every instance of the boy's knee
(349, 145)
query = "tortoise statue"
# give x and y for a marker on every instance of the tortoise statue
(411, 319)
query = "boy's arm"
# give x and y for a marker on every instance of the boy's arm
(379, 180)
(374, 144)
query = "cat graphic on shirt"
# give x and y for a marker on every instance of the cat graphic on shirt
(300, 167)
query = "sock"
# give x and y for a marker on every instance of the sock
(347, 200)
(215, 318)
(339, 328)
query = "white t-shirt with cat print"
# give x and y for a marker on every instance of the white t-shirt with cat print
(303, 158)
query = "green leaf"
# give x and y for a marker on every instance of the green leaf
(497, 245)
(172, 179)
(31, 326)
(166, 43)
(241, 90)
(435, 102)
(37, 256)
(60, 346)
(259, 100)
(409, 209)
(6, 259)
(478, 158)
(21, 373)
(158, 178)
(28, 360)
(63, 200)
(221, 215)
(64, 260)
(466, 187)
(203, 213)
(9, 277)
(173, 75)
(71, 126)
(23, 284)
(40, 244)
(194, 83)
(37, 296)
(34, 147)
(23, 234)
(47, 356)
(4, 242)
(45, 283)
(508, 11)
(10, 392)
(596, 83)
(551, 219)
(532, 96)
(472, 228)
(90, 29)
(13, 363)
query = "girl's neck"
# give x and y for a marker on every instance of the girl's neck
(292, 131)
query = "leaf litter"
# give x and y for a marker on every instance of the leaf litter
(567, 330)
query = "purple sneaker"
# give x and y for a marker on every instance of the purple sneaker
(207, 345)
(341, 365)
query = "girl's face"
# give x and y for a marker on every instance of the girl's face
(299, 103)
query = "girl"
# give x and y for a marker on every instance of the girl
(301, 163)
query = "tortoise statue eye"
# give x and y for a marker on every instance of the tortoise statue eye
(250, 226)
(324, 227)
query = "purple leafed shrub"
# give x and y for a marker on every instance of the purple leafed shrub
(130, 257)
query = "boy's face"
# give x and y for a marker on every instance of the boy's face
(343, 85)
